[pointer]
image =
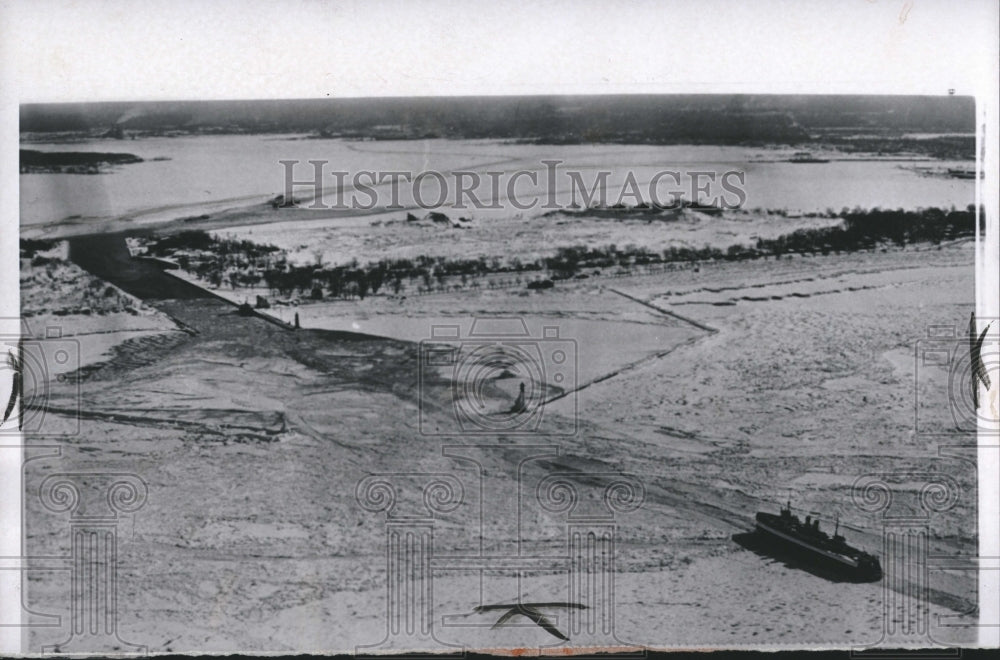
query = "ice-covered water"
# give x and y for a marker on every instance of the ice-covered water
(207, 173)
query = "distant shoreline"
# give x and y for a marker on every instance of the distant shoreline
(878, 146)
(72, 162)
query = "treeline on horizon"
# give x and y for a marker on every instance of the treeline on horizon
(722, 118)
(945, 147)
(62, 161)
(242, 263)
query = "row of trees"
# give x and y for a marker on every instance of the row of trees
(30, 246)
(866, 230)
(246, 264)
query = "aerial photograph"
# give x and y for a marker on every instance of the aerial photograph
(515, 372)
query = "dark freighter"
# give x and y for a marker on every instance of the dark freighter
(814, 546)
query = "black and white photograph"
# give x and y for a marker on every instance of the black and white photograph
(442, 327)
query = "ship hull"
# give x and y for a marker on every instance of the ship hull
(770, 530)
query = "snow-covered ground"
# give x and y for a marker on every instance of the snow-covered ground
(252, 438)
